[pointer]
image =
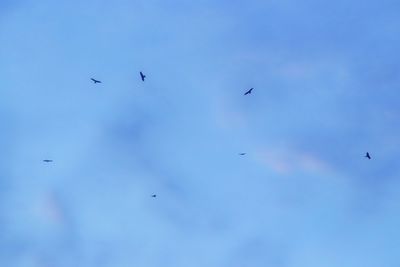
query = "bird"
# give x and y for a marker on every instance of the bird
(142, 76)
(153, 195)
(242, 154)
(95, 81)
(367, 155)
(249, 91)
(47, 160)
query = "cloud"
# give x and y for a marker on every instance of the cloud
(289, 161)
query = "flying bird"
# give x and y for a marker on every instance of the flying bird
(249, 92)
(367, 155)
(153, 195)
(242, 154)
(95, 81)
(47, 160)
(142, 76)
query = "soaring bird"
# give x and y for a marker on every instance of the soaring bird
(242, 154)
(95, 81)
(367, 155)
(142, 76)
(153, 195)
(249, 92)
(47, 160)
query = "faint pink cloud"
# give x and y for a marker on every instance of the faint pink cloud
(50, 209)
(284, 161)
(313, 70)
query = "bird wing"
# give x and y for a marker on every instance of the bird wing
(249, 91)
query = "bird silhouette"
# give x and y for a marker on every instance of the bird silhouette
(142, 76)
(95, 81)
(249, 91)
(47, 160)
(153, 195)
(367, 155)
(242, 154)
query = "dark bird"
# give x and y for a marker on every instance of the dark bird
(367, 155)
(142, 76)
(153, 195)
(249, 92)
(95, 81)
(47, 160)
(242, 154)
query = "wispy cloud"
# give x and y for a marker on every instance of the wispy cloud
(284, 160)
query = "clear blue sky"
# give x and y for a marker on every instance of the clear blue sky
(326, 76)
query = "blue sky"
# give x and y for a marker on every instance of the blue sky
(326, 79)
